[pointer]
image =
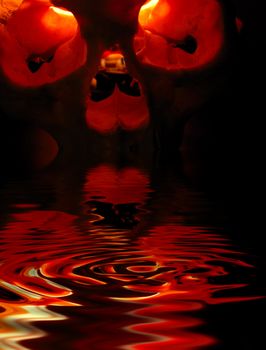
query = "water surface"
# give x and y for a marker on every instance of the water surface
(106, 257)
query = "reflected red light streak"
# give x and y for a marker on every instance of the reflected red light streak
(15, 324)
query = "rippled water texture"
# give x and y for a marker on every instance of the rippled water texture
(108, 258)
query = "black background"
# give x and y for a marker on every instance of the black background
(229, 165)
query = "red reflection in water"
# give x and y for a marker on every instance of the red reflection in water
(190, 265)
(105, 183)
(27, 242)
(24, 244)
(150, 286)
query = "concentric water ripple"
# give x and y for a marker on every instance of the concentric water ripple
(170, 268)
(143, 284)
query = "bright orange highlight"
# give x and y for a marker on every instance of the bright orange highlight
(146, 11)
(41, 29)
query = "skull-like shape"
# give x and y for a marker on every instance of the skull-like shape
(99, 68)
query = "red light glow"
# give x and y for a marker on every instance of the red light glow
(179, 34)
(118, 110)
(41, 44)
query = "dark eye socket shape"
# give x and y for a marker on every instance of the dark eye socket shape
(34, 63)
(189, 44)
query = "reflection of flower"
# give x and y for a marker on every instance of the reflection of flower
(109, 185)
(115, 195)
(149, 281)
